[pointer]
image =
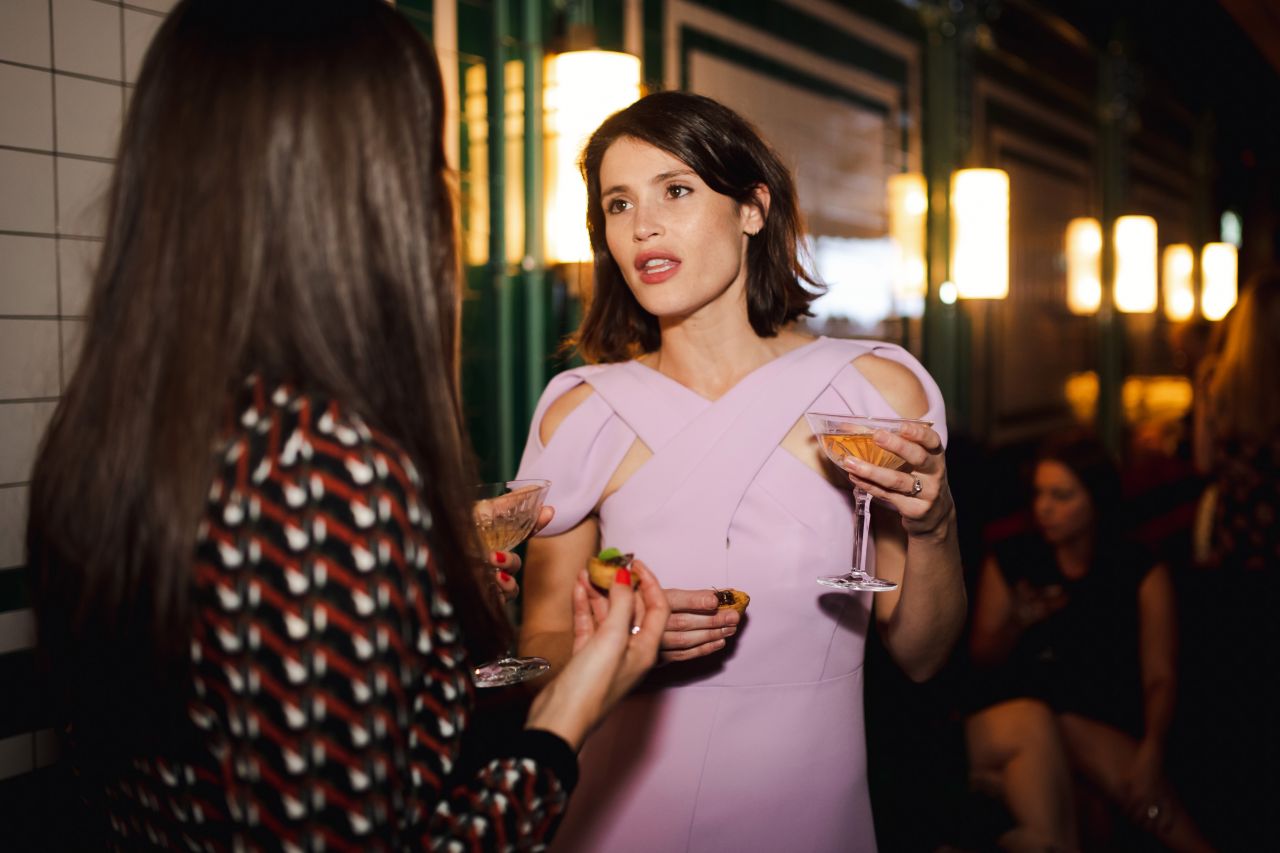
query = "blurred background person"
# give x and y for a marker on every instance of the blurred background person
(1231, 645)
(1073, 639)
(1239, 432)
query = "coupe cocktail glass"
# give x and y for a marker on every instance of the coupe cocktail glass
(845, 437)
(504, 513)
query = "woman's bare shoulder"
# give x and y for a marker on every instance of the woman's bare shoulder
(560, 409)
(896, 382)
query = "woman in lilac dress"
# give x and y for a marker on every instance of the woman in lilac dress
(685, 443)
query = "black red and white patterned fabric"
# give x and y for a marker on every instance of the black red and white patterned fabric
(330, 685)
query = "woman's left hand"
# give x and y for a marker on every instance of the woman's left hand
(919, 492)
(1146, 797)
(507, 563)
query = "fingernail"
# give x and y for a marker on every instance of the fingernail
(504, 577)
(731, 618)
(499, 557)
(623, 577)
(729, 631)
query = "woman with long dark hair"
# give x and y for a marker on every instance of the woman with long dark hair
(687, 443)
(256, 578)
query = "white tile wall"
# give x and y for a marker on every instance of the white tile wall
(154, 5)
(82, 188)
(29, 275)
(26, 191)
(72, 337)
(77, 261)
(17, 630)
(17, 755)
(24, 31)
(139, 28)
(13, 525)
(21, 424)
(86, 38)
(28, 359)
(88, 115)
(63, 64)
(25, 121)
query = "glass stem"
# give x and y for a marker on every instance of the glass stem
(861, 531)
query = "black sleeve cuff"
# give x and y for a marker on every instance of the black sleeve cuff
(551, 751)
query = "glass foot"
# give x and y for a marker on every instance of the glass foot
(857, 582)
(504, 671)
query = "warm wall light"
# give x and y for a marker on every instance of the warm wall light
(583, 88)
(980, 233)
(1219, 266)
(1081, 393)
(1136, 251)
(1179, 292)
(1084, 265)
(908, 207)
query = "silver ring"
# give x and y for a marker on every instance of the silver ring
(1153, 811)
(635, 629)
(916, 487)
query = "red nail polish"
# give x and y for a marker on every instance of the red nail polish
(499, 557)
(623, 577)
(503, 576)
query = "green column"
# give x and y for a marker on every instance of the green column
(1114, 117)
(534, 263)
(1204, 224)
(948, 76)
(504, 321)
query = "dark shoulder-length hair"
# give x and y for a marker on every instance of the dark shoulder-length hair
(1093, 465)
(728, 154)
(280, 205)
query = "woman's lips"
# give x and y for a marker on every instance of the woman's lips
(656, 268)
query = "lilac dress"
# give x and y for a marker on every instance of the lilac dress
(759, 746)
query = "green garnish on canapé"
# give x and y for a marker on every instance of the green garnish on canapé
(613, 557)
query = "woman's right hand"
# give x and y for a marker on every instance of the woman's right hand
(696, 627)
(1032, 604)
(609, 657)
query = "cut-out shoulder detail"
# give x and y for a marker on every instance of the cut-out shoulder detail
(561, 409)
(896, 382)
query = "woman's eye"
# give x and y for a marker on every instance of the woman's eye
(678, 191)
(616, 205)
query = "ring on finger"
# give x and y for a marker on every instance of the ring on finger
(916, 487)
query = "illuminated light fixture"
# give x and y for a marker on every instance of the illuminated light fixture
(1136, 253)
(1081, 393)
(583, 88)
(980, 233)
(1219, 266)
(908, 207)
(1231, 228)
(1179, 291)
(947, 293)
(1155, 399)
(1084, 265)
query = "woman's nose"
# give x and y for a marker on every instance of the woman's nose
(645, 225)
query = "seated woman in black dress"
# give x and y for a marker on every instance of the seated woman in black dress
(1074, 638)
